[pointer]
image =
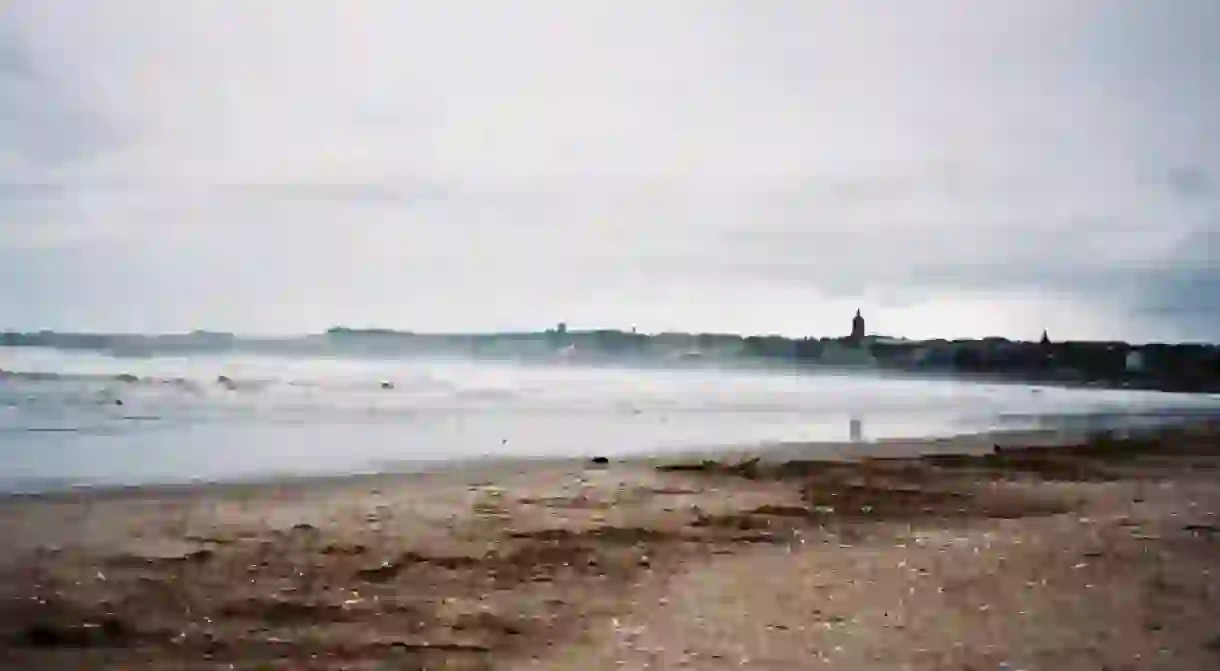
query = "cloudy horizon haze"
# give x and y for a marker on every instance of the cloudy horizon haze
(951, 169)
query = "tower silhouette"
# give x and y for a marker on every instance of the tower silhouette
(857, 328)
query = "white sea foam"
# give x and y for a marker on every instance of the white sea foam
(93, 417)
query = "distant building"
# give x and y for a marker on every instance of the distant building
(851, 351)
(1135, 361)
(562, 328)
(838, 353)
(857, 328)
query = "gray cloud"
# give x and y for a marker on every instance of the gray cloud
(39, 120)
(723, 166)
(1190, 183)
(332, 192)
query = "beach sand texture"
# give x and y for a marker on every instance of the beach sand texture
(1103, 554)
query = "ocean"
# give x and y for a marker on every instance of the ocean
(78, 417)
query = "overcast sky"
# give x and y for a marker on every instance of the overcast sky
(952, 168)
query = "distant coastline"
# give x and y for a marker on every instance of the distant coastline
(1188, 367)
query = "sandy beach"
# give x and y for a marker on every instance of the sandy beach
(1101, 554)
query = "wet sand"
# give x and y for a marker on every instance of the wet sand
(1101, 554)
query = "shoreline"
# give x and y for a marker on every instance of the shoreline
(969, 443)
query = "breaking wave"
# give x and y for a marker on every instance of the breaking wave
(92, 416)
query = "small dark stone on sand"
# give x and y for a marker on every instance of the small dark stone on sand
(111, 631)
(118, 401)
